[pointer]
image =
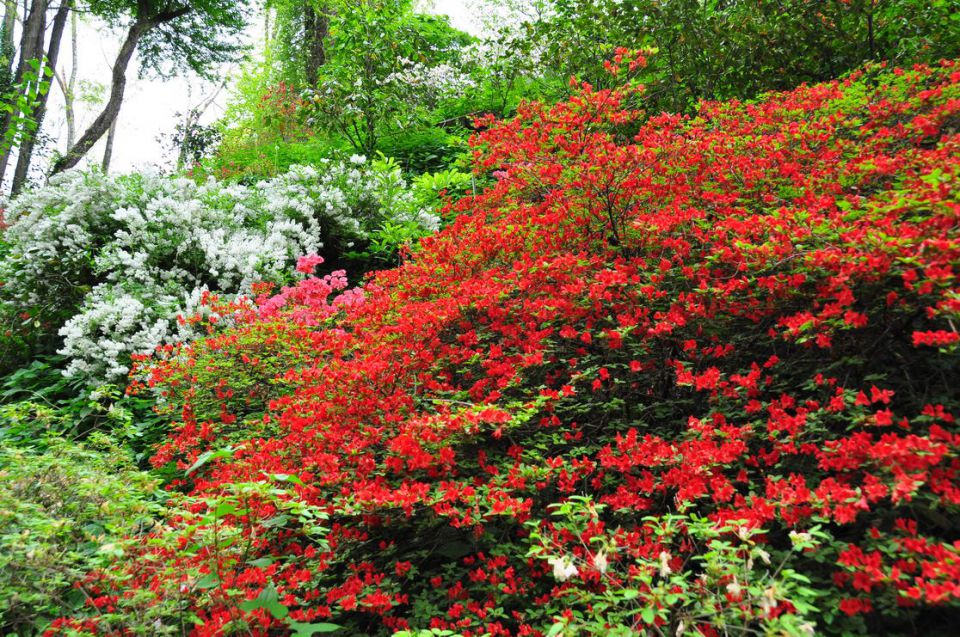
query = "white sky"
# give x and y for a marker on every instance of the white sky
(150, 106)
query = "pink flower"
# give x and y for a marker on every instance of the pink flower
(307, 264)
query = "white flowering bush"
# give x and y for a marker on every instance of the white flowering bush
(431, 83)
(111, 262)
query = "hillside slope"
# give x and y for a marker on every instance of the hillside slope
(679, 375)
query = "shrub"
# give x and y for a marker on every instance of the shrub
(111, 262)
(64, 512)
(736, 332)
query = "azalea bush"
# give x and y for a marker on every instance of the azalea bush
(108, 264)
(672, 376)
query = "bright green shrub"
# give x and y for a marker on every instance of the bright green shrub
(65, 510)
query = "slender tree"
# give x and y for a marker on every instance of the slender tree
(31, 49)
(40, 108)
(68, 84)
(316, 24)
(191, 125)
(169, 35)
(108, 148)
(7, 50)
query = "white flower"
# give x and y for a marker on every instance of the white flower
(768, 600)
(600, 561)
(799, 537)
(563, 568)
(146, 246)
(734, 587)
(665, 569)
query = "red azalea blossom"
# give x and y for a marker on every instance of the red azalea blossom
(749, 313)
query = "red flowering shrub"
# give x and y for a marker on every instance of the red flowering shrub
(690, 375)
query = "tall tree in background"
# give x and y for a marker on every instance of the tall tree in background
(7, 50)
(169, 36)
(39, 110)
(299, 39)
(359, 93)
(316, 26)
(68, 83)
(26, 88)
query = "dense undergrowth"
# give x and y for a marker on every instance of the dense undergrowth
(691, 375)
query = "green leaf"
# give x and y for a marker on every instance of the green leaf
(277, 521)
(262, 562)
(286, 477)
(208, 456)
(225, 508)
(268, 600)
(648, 615)
(306, 630)
(209, 580)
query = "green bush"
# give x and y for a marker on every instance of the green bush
(64, 509)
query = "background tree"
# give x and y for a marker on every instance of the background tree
(731, 48)
(359, 94)
(7, 50)
(68, 83)
(170, 36)
(299, 37)
(316, 26)
(26, 96)
(39, 111)
(384, 66)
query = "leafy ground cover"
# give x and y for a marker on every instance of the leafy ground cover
(691, 375)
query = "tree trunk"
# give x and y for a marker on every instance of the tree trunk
(6, 45)
(31, 48)
(70, 92)
(190, 124)
(68, 85)
(316, 26)
(108, 151)
(53, 53)
(106, 118)
(118, 85)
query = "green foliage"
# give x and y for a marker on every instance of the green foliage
(734, 49)
(357, 97)
(369, 97)
(224, 544)
(64, 510)
(723, 575)
(20, 101)
(421, 150)
(38, 401)
(185, 36)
